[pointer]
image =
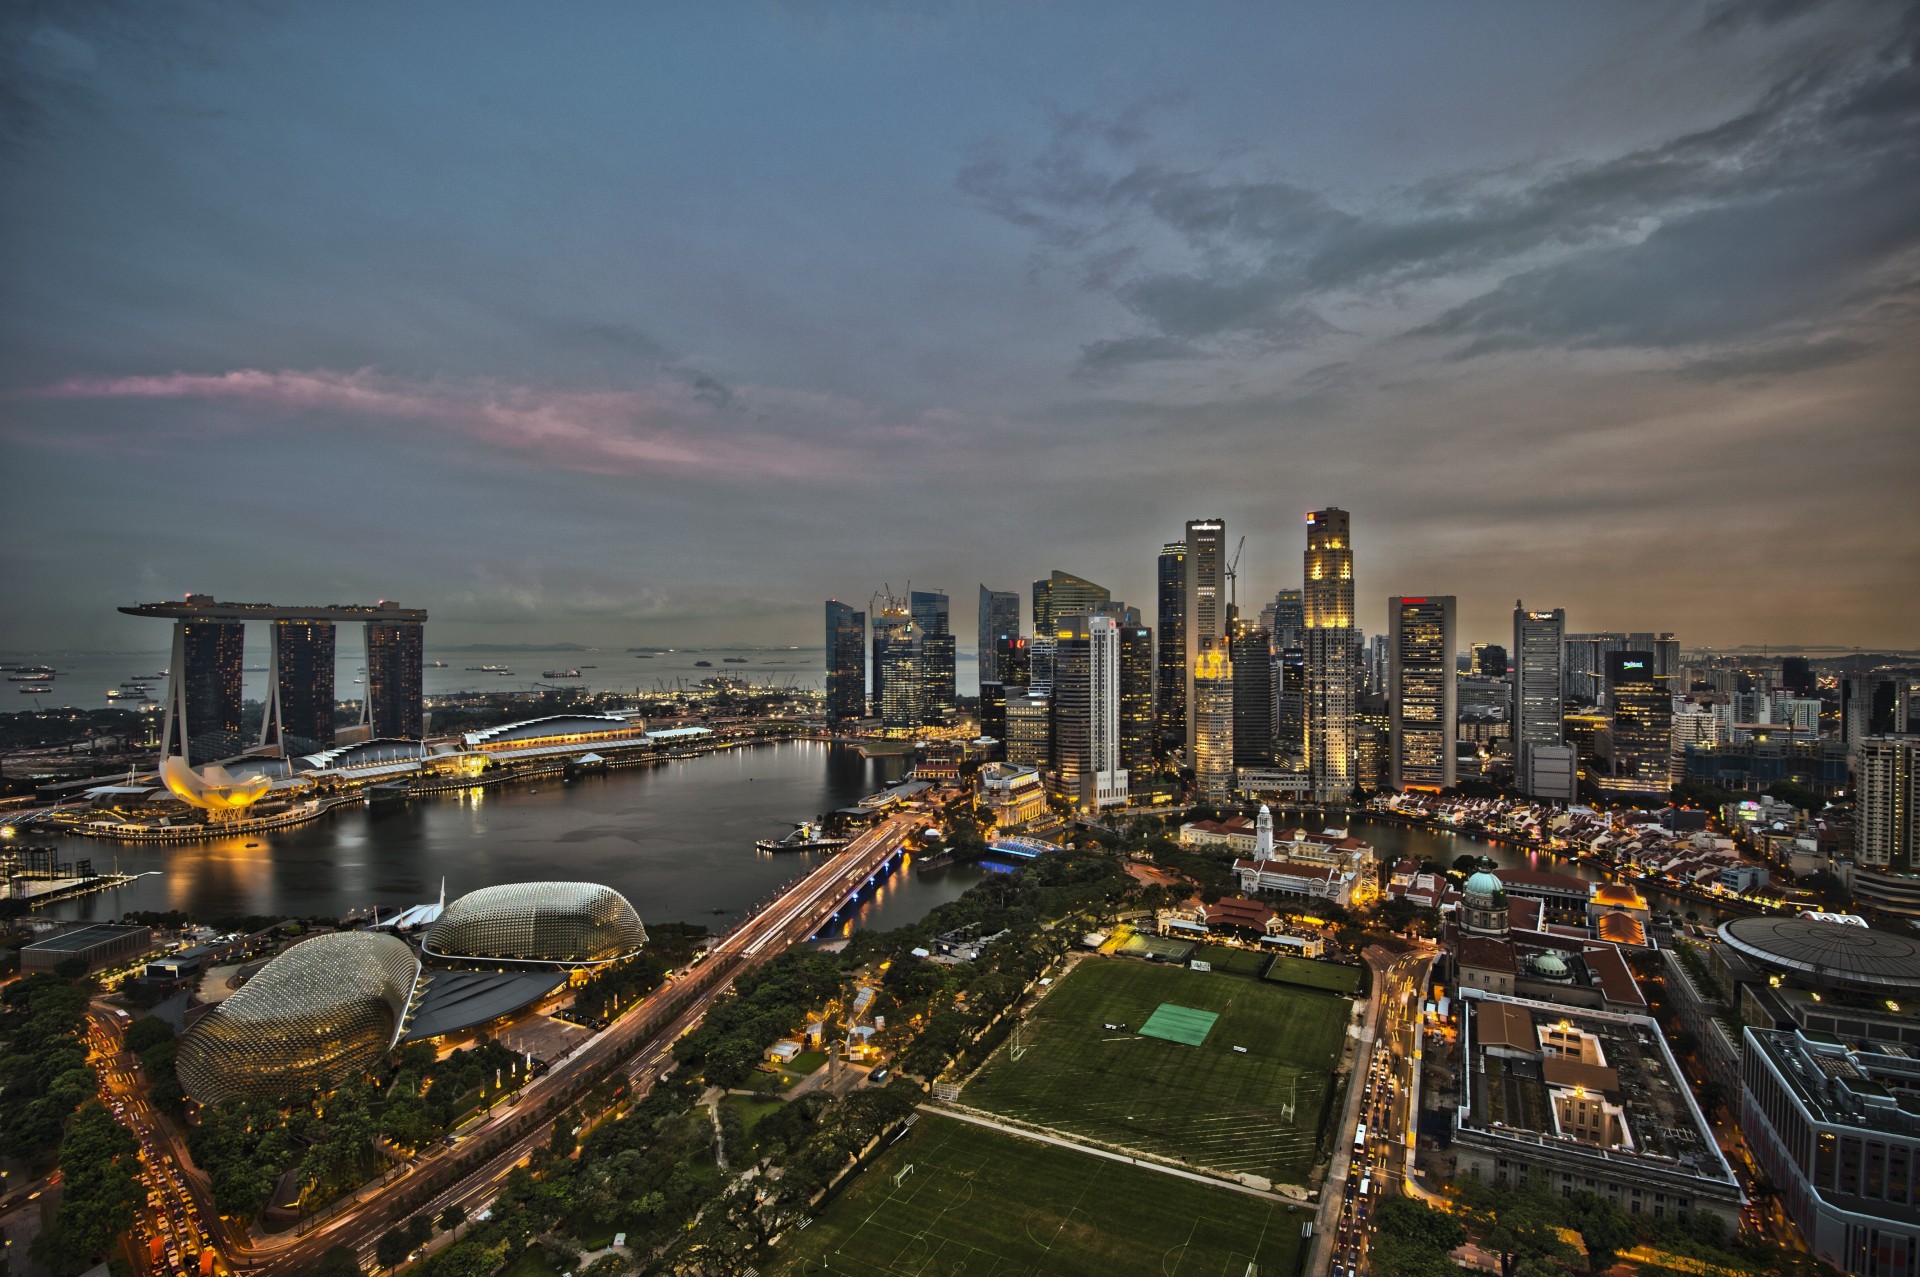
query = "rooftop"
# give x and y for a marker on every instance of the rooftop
(1829, 952)
(202, 607)
(1869, 1085)
(84, 938)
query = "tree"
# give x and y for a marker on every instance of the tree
(392, 1249)
(337, 1261)
(1518, 1222)
(99, 1165)
(419, 1231)
(452, 1217)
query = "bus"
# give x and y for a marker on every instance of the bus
(1360, 1136)
(1366, 1183)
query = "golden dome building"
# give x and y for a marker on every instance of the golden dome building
(313, 1017)
(567, 924)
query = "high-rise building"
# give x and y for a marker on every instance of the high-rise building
(1211, 720)
(396, 707)
(993, 717)
(1586, 656)
(1489, 660)
(1290, 722)
(1086, 711)
(1171, 665)
(300, 684)
(1868, 707)
(1422, 697)
(846, 663)
(1796, 676)
(1029, 729)
(1015, 661)
(1328, 613)
(1886, 822)
(1372, 741)
(211, 655)
(1641, 725)
(1040, 661)
(1289, 620)
(1062, 594)
(892, 628)
(938, 657)
(1539, 701)
(999, 624)
(1206, 602)
(1137, 739)
(1254, 702)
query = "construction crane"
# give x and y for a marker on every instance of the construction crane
(1233, 577)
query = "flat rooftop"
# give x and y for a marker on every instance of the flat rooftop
(200, 608)
(85, 937)
(1871, 1085)
(455, 1000)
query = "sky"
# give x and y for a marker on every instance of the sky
(659, 324)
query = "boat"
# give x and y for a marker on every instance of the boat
(115, 694)
(47, 670)
(437, 665)
(806, 836)
(734, 660)
(29, 678)
(560, 674)
(34, 689)
(645, 656)
(705, 665)
(487, 669)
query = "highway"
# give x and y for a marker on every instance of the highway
(638, 1044)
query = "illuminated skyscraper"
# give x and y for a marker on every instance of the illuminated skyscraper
(931, 617)
(395, 707)
(1327, 604)
(1290, 723)
(846, 663)
(999, 623)
(1423, 705)
(1641, 726)
(1061, 594)
(1489, 660)
(300, 684)
(1289, 620)
(1170, 668)
(1886, 826)
(1206, 599)
(1086, 711)
(1211, 720)
(1137, 737)
(1029, 728)
(1538, 706)
(892, 626)
(212, 654)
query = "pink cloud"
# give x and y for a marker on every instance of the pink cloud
(663, 429)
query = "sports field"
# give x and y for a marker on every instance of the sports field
(986, 1204)
(1314, 975)
(1209, 1104)
(1238, 961)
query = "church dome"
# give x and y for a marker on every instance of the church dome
(1483, 885)
(1550, 966)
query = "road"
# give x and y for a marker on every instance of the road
(1381, 1113)
(638, 1044)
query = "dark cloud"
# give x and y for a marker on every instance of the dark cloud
(1789, 204)
(1776, 361)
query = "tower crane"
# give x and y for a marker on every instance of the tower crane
(1233, 577)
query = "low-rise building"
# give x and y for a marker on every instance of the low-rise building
(1011, 794)
(103, 945)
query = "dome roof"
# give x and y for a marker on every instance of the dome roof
(1551, 965)
(314, 1016)
(1483, 884)
(567, 923)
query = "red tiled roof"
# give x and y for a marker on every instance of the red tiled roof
(1291, 868)
(1483, 953)
(1238, 911)
(1524, 878)
(1610, 969)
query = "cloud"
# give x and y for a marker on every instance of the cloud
(678, 426)
(1806, 196)
(1776, 361)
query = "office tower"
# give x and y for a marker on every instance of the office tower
(1211, 719)
(1289, 620)
(1015, 661)
(300, 685)
(1886, 822)
(1372, 744)
(208, 658)
(1029, 729)
(1906, 716)
(1251, 652)
(1422, 698)
(1490, 660)
(1327, 606)
(999, 624)
(1290, 687)
(903, 676)
(395, 709)
(1538, 708)
(892, 626)
(1666, 654)
(931, 617)
(1040, 650)
(1641, 725)
(1868, 707)
(846, 663)
(1378, 664)
(1205, 587)
(993, 717)
(1086, 711)
(1063, 594)
(1137, 730)
(1170, 667)
(1796, 676)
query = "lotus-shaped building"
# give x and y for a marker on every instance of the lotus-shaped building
(315, 1016)
(211, 788)
(569, 924)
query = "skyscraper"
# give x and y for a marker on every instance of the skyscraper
(900, 661)
(1642, 725)
(1086, 711)
(1251, 652)
(1170, 667)
(1029, 728)
(999, 622)
(212, 655)
(1290, 722)
(300, 684)
(1868, 707)
(931, 617)
(1796, 676)
(1538, 706)
(1211, 720)
(1489, 660)
(1422, 698)
(1886, 828)
(892, 625)
(846, 663)
(1289, 620)
(1137, 735)
(395, 703)
(1328, 614)
(1206, 598)
(1061, 594)
(993, 716)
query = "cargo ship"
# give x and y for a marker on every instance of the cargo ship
(560, 674)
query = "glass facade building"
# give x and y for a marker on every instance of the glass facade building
(1170, 668)
(846, 663)
(1422, 693)
(302, 683)
(212, 656)
(999, 624)
(554, 923)
(1331, 640)
(314, 1017)
(396, 706)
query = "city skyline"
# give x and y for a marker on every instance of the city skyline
(1604, 312)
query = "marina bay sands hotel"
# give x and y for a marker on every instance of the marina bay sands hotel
(209, 641)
